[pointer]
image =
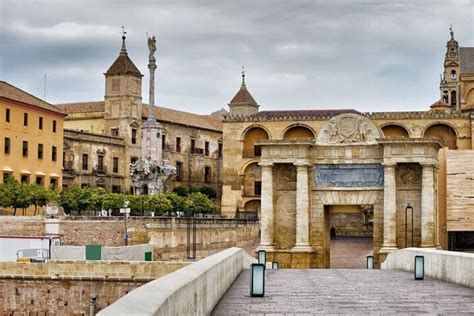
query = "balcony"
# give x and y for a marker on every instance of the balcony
(99, 170)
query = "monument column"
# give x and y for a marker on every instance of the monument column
(389, 208)
(266, 220)
(428, 205)
(302, 208)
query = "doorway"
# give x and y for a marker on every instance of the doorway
(351, 235)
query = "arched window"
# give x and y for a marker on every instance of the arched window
(251, 137)
(453, 98)
(445, 96)
(298, 132)
(445, 132)
(453, 74)
(395, 131)
(253, 180)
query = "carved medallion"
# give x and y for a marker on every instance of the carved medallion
(348, 129)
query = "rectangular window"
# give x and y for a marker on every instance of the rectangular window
(53, 182)
(116, 165)
(193, 146)
(219, 150)
(258, 188)
(163, 142)
(54, 126)
(179, 170)
(39, 180)
(25, 148)
(134, 136)
(207, 174)
(7, 115)
(25, 119)
(85, 161)
(6, 145)
(116, 189)
(115, 132)
(40, 122)
(40, 151)
(5, 177)
(257, 151)
(178, 144)
(54, 153)
(25, 179)
(206, 148)
(100, 162)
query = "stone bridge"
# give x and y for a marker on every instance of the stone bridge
(219, 285)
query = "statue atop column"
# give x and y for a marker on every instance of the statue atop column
(151, 47)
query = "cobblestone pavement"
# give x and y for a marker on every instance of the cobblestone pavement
(343, 291)
(350, 252)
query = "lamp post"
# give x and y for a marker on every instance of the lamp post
(408, 208)
(125, 210)
(191, 248)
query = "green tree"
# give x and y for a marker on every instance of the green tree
(15, 195)
(199, 203)
(76, 200)
(177, 201)
(209, 191)
(181, 191)
(113, 201)
(97, 198)
(158, 204)
(39, 195)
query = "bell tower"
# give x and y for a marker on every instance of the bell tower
(243, 103)
(123, 106)
(449, 85)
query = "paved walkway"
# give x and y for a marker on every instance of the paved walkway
(350, 252)
(341, 291)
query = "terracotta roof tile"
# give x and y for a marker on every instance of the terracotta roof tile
(184, 118)
(123, 65)
(243, 96)
(82, 107)
(161, 113)
(11, 92)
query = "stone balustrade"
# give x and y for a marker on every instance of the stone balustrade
(192, 290)
(451, 266)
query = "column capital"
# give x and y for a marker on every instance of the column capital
(302, 163)
(428, 165)
(266, 163)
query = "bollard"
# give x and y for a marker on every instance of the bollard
(274, 265)
(262, 257)
(370, 262)
(257, 279)
(93, 304)
(419, 269)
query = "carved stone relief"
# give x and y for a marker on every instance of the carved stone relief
(348, 129)
(408, 175)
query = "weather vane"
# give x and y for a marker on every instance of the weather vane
(243, 75)
(123, 31)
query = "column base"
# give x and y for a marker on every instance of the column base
(302, 248)
(265, 247)
(429, 246)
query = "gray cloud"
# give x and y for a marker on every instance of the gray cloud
(366, 54)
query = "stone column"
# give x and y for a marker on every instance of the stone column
(266, 220)
(302, 208)
(428, 206)
(389, 208)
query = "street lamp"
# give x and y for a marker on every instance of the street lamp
(125, 210)
(407, 209)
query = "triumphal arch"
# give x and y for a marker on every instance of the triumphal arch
(301, 172)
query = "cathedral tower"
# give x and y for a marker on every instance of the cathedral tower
(449, 85)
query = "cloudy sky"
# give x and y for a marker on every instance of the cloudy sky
(370, 55)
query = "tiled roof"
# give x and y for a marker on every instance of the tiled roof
(243, 96)
(162, 114)
(82, 107)
(466, 58)
(301, 113)
(184, 118)
(123, 65)
(11, 92)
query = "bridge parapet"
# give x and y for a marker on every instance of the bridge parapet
(192, 290)
(451, 266)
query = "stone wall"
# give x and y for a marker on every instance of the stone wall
(168, 235)
(62, 287)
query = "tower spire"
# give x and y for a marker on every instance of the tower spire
(243, 76)
(123, 51)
